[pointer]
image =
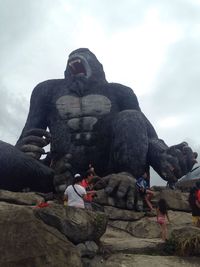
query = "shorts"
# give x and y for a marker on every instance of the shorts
(161, 220)
(196, 221)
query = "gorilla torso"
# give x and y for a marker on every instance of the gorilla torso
(73, 114)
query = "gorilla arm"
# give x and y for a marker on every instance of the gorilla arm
(34, 135)
(169, 162)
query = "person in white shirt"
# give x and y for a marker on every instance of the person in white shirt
(75, 193)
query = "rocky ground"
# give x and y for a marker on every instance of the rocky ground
(57, 236)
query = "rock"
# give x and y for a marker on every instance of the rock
(186, 241)
(130, 260)
(103, 198)
(87, 249)
(149, 228)
(175, 199)
(50, 230)
(27, 241)
(78, 225)
(117, 241)
(19, 198)
(185, 184)
(122, 214)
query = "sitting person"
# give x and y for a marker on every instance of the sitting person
(142, 187)
(75, 193)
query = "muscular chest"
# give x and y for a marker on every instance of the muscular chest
(91, 105)
(81, 113)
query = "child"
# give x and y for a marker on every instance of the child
(142, 186)
(162, 214)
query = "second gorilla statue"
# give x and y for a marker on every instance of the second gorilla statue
(93, 121)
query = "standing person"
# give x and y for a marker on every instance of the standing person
(198, 194)
(88, 185)
(91, 170)
(75, 193)
(194, 201)
(162, 214)
(142, 187)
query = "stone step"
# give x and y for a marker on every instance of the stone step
(130, 260)
(116, 241)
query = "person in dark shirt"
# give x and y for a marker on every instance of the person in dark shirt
(142, 187)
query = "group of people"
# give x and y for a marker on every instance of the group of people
(144, 192)
(80, 193)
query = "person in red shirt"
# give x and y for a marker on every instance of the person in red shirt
(198, 194)
(88, 185)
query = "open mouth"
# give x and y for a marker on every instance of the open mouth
(77, 67)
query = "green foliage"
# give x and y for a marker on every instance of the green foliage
(185, 244)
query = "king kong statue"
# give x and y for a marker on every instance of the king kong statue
(89, 121)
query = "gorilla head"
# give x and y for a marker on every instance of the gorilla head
(83, 64)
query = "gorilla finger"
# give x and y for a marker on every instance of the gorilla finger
(32, 148)
(174, 165)
(130, 199)
(182, 164)
(63, 168)
(190, 157)
(123, 188)
(101, 183)
(34, 155)
(180, 146)
(38, 132)
(35, 140)
(195, 155)
(167, 173)
(113, 183)
(61, 181)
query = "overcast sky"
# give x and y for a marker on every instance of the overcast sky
(151, 46)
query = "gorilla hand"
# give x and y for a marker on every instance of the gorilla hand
(120, 185)
(176, 161)
(63, 173)
(33, 141)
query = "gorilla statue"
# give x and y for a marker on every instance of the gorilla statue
(89, 121)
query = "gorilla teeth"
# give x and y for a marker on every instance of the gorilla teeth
(71, 63)
(77, 66)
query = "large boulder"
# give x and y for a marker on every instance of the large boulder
(20, 198)
(149, 228)
(78, 225)
(122, 214)
(185, 241)
(27, 241)
(175, 199)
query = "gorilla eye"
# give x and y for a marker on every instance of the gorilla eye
(76, 67)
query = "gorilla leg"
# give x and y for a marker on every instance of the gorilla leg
(129, 145)
(18, 171)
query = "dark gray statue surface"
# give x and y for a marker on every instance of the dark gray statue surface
(89, 121)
